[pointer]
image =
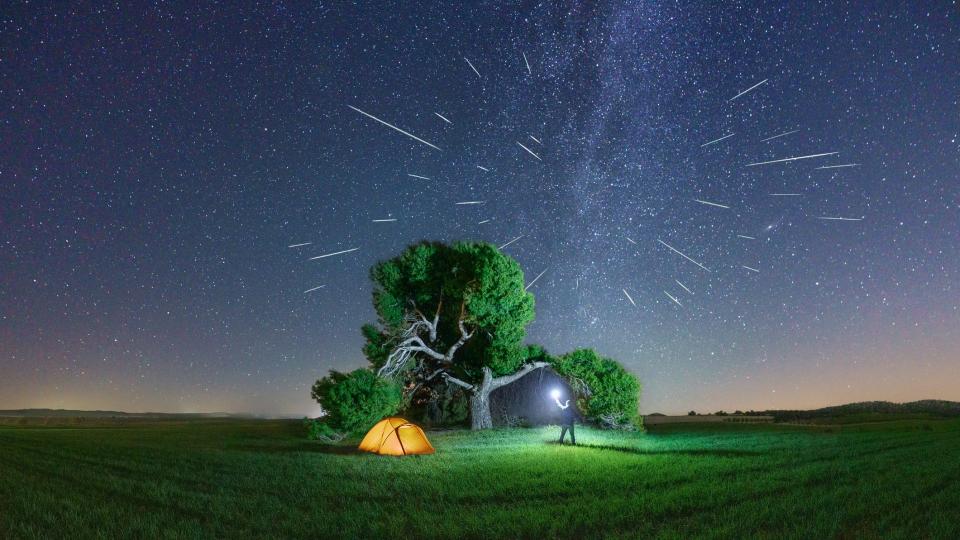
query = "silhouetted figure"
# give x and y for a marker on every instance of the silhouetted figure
(568, 417)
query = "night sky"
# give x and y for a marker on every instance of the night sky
(156, 163)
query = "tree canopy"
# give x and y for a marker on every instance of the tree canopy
(354, 401)
(608, 393)
(449, 292)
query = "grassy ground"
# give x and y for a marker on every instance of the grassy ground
(260, 479)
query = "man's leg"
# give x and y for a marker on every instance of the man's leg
(573, 434)
(563, 433)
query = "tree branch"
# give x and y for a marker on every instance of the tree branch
(411, 343)
(436, 318)
(451, 379)
(426, 380)
(464, 336)
(416, 344)
(403, 352)
(507, 379)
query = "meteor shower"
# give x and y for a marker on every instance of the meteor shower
(614, 269)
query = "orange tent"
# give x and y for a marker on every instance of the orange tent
(395, 436)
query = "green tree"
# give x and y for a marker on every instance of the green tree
(352, 402)
(608, 393)
(451, 313)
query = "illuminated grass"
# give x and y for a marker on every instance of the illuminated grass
(259, 478)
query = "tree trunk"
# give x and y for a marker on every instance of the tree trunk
(480, 417)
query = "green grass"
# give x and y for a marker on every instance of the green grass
(261, 479)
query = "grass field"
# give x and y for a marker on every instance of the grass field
(261, 479)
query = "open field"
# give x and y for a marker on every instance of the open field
(211, 478)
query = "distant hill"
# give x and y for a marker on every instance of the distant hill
(67, 413)
(930, 407)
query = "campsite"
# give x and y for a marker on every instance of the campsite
(257, 478)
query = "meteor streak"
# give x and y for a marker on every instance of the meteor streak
(747, 90)
(325, 255)
(535, 279)
(528, 150)
(784, 160)
(393, 127)
(678, 252)
(712, 204)
(839, 166)
(469, 63)
(510, 242)
(780, 135)
(717, 140)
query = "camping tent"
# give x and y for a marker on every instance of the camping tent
(395, 436)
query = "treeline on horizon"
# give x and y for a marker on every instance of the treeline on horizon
(935, 407)
(931, 407)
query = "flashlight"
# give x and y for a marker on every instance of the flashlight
(555, 393)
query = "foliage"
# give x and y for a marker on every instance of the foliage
(450, 407)
(608, 393)
(472, 281)
(377, 345)
(318, 430)
(353, 402)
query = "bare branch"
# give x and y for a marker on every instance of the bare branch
(430, 326)
(507, 379)
(333, 438)
(426, 380)
(403, 352)
(436, 318)
(464, 336)
(451, 379)
(434, 374)
(412, 343)
(579, 386)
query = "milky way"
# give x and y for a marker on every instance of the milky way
(192, 196)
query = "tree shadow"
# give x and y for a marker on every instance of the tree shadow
(714, 452)
(305, 446)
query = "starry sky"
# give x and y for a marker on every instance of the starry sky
(157, 161)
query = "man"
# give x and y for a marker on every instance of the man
(568, 416)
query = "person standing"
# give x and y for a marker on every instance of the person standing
(568, 418)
